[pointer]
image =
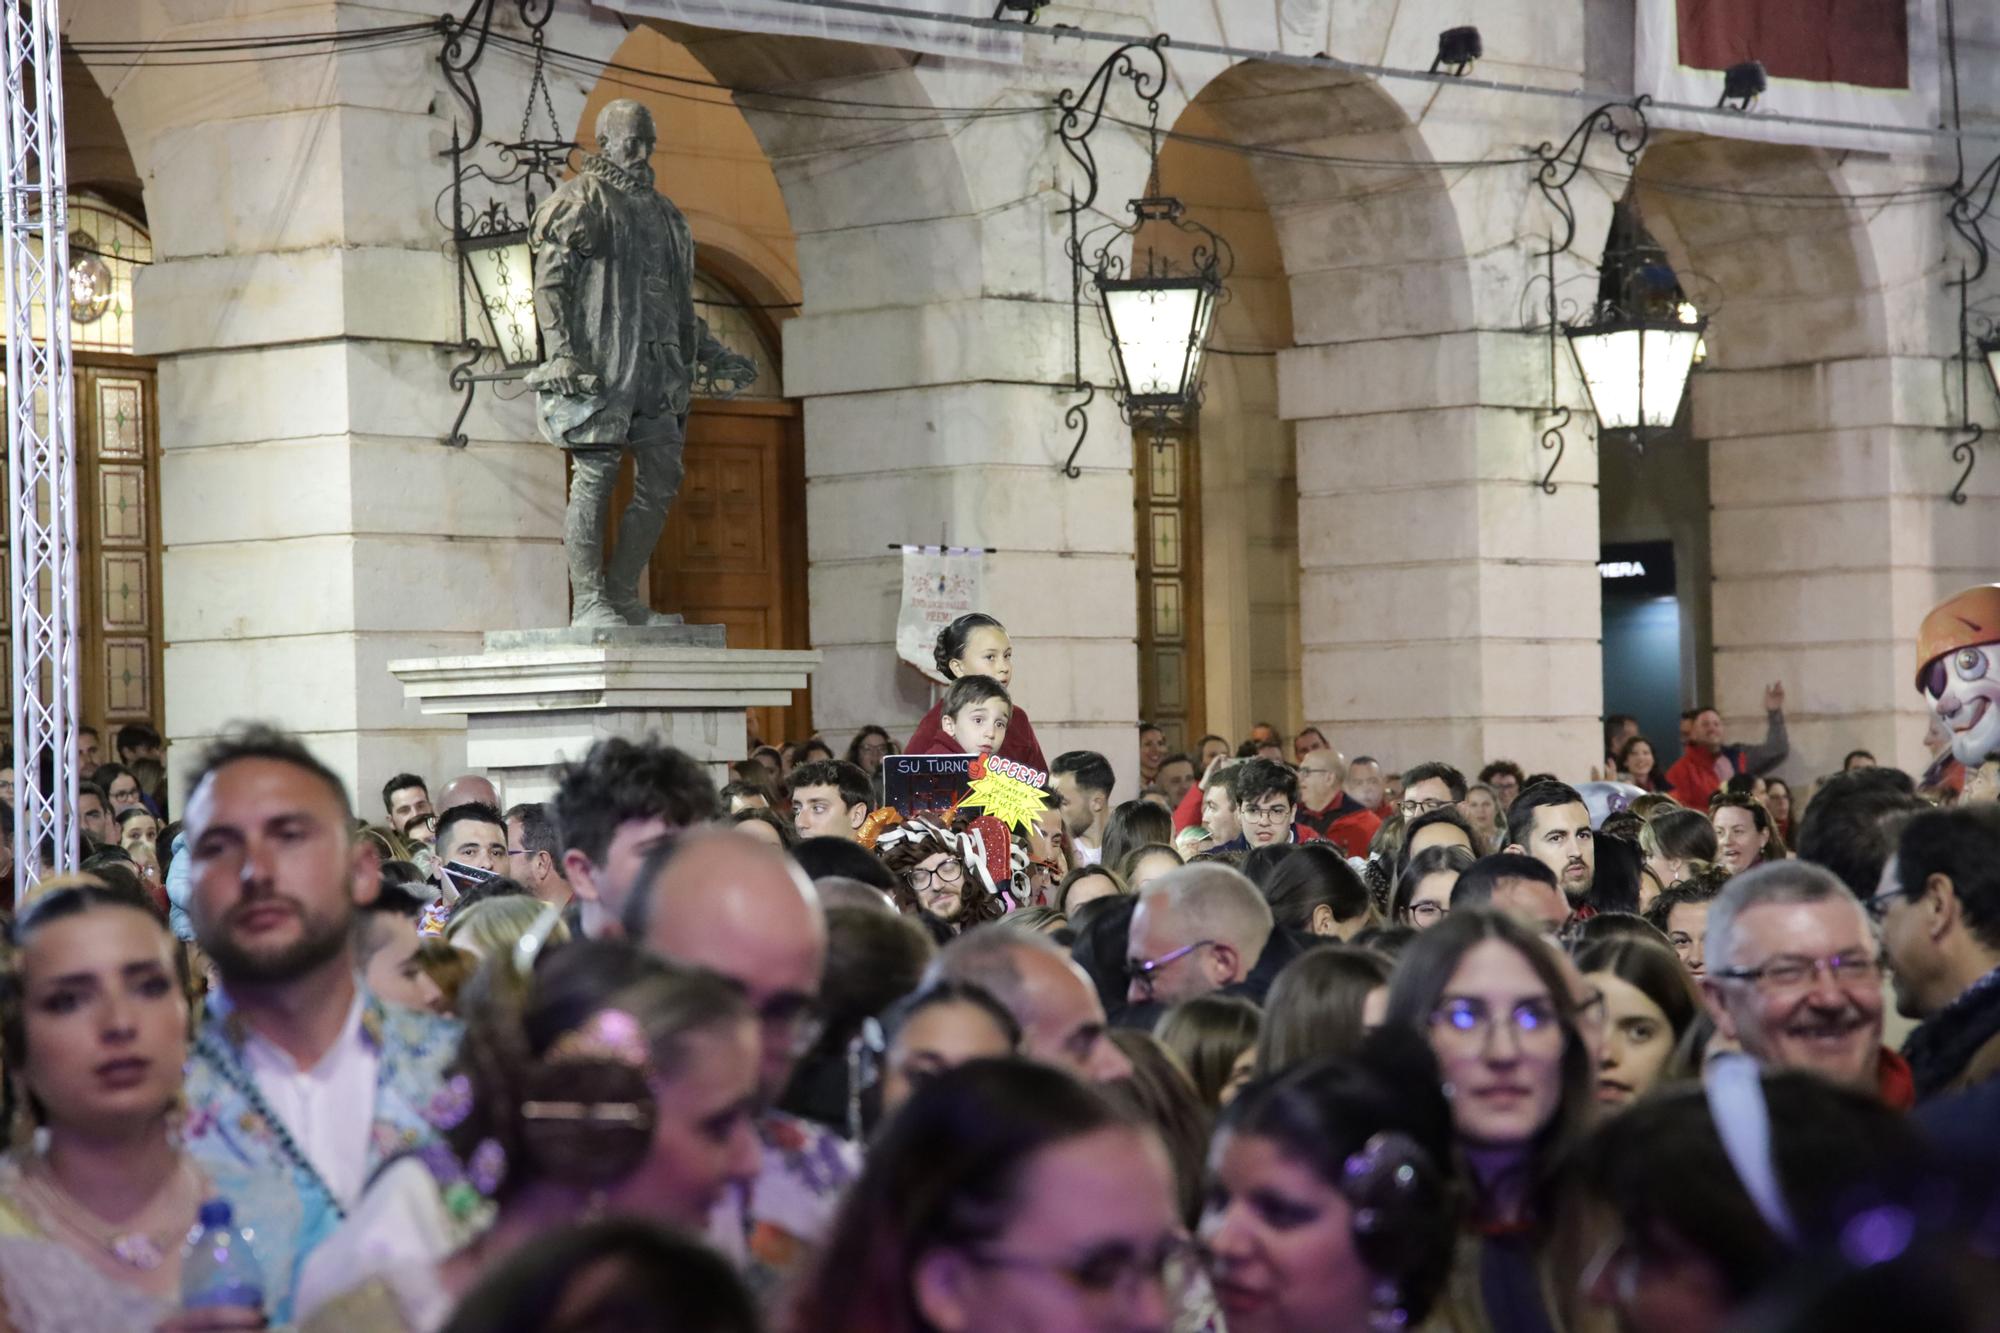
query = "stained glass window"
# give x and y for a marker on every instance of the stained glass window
(106, 251)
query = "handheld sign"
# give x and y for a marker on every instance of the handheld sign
(925, 784)
(1009, 792)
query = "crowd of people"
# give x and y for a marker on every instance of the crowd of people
(1286, 1043)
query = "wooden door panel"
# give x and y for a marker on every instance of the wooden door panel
(733, 553)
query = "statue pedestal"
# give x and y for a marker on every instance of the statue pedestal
(535, 698)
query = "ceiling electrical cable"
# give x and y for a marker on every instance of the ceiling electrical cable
(278, 46)
(1334, 64)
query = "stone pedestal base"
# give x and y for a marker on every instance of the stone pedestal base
(536, 698)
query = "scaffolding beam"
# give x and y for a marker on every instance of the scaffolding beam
(41, 440)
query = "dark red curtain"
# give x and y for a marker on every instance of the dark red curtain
(1864, 42)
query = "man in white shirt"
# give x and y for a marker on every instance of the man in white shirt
(300, 1084)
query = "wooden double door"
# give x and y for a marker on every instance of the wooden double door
(734, 550)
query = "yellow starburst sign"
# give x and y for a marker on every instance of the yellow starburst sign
(1006, 790)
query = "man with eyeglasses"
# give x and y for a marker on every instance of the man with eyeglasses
(1197, 930)
(720, 900)
(1327, 810)
(1265, 796)
(1794, 978)
(1939, 912)
(1429, 787)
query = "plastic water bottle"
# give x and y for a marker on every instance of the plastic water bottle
(218, 1267)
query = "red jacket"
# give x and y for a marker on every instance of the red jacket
(1350, 829)
(1020, 744)
(1693, 779)
(1894, 1081)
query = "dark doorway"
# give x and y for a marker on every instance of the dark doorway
(1642, 641)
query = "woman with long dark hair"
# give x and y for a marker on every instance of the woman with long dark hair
(1330, 1207)
(1003, 1195)
(1502, 1020)
(1650, 1002)
(1314, 891)
(977, 645)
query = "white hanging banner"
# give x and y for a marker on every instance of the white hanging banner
(940, 584)
(1869, 61)
(876, 23)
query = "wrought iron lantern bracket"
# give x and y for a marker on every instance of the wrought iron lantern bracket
(1971, 207)
(489, 239)
(1156, 308)
(1556, 167)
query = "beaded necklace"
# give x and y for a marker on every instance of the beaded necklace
(246, 1087)
(135, 1247)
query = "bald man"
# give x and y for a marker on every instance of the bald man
(468, 789)
(1199, 929)
(1061, 1018)
(720, 900)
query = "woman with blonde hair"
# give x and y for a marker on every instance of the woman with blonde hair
(492, 927)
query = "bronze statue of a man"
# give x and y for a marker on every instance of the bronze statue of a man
(614, 295)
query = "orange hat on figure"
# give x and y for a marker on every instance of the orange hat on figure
(1958, 667)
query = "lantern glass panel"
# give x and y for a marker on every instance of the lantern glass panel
(1991, 351)
(1636, 374)
(1158, 327)
(503, 279)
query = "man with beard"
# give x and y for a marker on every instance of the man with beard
(407, 798)
(300, 1084)
(1550, 822)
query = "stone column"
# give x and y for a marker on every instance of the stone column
(315, 527)
(1831, 402)
(1449, 606)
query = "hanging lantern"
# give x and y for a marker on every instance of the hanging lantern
(1642, 339)
(501, 271)
(1158, 318)
(1636, 368)
(1159, 322)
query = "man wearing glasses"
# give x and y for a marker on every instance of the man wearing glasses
(1794, 977)
(1429, 787)
(1266, 796)
(1200, 929)
(739, 907)
(1938, 906)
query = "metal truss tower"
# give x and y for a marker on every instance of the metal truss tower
(41, 438)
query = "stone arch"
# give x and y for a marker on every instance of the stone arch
(1824, 487)
(1438, 591)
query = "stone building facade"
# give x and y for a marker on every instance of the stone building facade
(1376, 553)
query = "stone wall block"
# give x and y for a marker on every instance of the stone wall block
(226, 591)
(946, 426)
(1394, 301)
(231, 493)
(1452, 370)
(1767, 540)
(1013, 508)
(513, 490)
(245, 301)
(946, 343)
(1825, 606)
(904, 177)
(466, 586)
(893, 263)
